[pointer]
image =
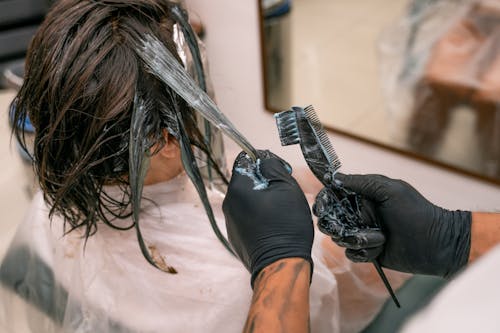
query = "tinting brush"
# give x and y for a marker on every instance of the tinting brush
(302, 126)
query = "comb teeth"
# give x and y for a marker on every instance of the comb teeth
(286, 122)
(323, 137)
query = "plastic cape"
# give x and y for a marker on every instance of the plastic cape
(56, 283)
(52, 282)
(439, 58)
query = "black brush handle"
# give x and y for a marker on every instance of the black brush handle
(346, 216)
(386, 282)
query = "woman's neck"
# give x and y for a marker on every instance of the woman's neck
(162, 169)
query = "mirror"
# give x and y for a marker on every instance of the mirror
(420, 78)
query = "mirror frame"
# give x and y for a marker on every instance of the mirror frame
(406, 153)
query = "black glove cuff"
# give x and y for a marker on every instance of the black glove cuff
(268, 261)
(461, 228)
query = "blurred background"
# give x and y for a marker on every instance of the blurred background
(419, 77)
(389, 76)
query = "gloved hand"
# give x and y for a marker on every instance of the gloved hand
(420, 237)
(265, 225)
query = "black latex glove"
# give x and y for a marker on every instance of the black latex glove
(269, 224)
(420, 237)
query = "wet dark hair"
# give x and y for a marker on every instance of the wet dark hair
(82, 78)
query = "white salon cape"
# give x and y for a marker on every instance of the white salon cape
(52, 282)
(469, 303)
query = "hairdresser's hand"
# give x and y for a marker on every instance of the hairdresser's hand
(268, 224)
(421, 237)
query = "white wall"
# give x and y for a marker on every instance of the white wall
(233, 46)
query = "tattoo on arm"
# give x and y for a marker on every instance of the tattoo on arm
(281, 298)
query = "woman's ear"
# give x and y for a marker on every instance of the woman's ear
(171, 147)
(166, 163)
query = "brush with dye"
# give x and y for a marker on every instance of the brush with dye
(342, 214)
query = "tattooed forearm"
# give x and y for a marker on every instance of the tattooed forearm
(281, 298)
